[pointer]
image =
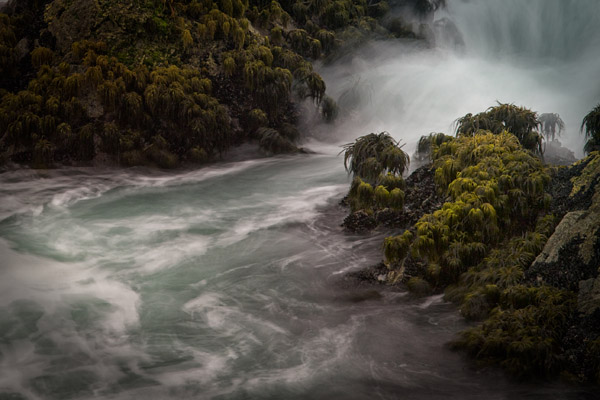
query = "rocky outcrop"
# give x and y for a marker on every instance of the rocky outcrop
(571, 257)
(422, 197)
(572, 253)
(556, 154)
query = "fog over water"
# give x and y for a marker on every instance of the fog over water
(541, 54)
(227, 282)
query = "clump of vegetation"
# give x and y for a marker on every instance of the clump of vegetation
(495, 191)
(520, 121)
(377, 162)
(552, 125)
(524, 333)
(427, 143)
(117, 76)
(591, 127)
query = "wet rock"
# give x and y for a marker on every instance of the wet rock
(556, 154)
(571, 254)
(562, 186)
(22, 49)
(359, 221)
(375, 274)
(422, 195)
(421, 198)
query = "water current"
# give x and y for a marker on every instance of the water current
(228, 282)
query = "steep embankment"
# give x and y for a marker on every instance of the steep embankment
(161, 82)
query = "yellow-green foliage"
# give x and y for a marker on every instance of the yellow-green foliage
(396, 248)
(365, 196)
(378, 159)
(229, 66)
(382, 197)
(525, 332)
(8, 40)
(584, 180)
(520, 121)
(186, 39)
(92, 82)
(396, 199)
(41, 56)
(57, 108)
(272, 141)
(479, 244)
(382, 148)
(484, 206)
(270, 86)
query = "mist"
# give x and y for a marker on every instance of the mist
(541, 54)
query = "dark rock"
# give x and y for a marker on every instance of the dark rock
(588, 300)
(422, 196)
(561, 188)
(359, 221)
(375, 274)
(556, 154)
(566, 270)
(22, 49)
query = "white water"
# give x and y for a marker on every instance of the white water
(226, 282)
(541, 54)
(222, 283)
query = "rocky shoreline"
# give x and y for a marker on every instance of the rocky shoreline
(568, 262)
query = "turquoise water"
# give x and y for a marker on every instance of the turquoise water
(222, 283)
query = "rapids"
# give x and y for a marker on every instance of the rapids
(227, 282)
(222, 283)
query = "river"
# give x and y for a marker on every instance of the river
(228, 282)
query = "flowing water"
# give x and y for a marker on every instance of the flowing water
(541, 54)
(228, 282)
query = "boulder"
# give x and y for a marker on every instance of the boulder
(572, 254)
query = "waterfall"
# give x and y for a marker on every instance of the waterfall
(539, 54)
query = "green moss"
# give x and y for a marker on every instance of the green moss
(588, 176)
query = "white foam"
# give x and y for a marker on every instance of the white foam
(301, 207)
